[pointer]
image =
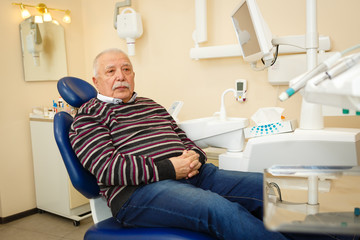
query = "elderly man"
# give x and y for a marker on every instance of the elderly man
(151, 174)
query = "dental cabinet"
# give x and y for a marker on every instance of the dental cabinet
(54, 191)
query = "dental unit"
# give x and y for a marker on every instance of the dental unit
(310, 157)
(323, 146)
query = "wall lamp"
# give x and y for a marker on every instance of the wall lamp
(44, 11)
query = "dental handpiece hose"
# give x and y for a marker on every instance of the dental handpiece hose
(343, 66)
(299, 84)
(328, 63)
(339, 68)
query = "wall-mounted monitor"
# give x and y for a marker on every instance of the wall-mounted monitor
(253, 33)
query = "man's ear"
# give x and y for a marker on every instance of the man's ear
(95, 81)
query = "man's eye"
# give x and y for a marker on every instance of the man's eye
(126, 70)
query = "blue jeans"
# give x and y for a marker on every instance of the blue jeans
(224, 204)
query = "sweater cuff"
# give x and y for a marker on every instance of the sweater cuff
(166, 169)
(202, 157)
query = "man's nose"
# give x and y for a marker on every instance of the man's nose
(119, 75)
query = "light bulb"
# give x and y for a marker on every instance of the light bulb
(67, 18)
(25, 13)
(47, 16)
(38, 19)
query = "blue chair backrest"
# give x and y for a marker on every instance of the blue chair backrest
(75, 92)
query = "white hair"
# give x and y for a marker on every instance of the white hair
(110, 50)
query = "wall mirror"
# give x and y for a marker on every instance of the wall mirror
(43, 50)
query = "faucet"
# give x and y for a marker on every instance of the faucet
(222, 107)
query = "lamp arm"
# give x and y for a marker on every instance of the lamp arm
(118, 5)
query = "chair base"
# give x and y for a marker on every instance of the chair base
(110, 229)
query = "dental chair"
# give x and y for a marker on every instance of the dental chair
(76, 92)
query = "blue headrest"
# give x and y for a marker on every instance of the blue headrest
(82, 180)
(75, 91)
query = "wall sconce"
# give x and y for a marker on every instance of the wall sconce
(44, 11)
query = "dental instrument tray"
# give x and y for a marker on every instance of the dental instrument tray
(312, 199)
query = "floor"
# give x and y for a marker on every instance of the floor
(43, 226)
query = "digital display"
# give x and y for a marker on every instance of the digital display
(239, 86)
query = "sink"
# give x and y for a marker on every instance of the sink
(215, 132)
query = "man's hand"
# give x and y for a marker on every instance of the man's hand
(187, 165)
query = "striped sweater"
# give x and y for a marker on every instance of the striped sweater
(127, 145)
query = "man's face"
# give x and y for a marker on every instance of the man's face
(115, 76)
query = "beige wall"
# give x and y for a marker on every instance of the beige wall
(164, 70)
(17, 191)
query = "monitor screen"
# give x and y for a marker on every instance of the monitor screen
(252, 32)
(245, 31)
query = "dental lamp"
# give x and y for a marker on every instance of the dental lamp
(128, 24)
(44, 11)
(129, 27)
